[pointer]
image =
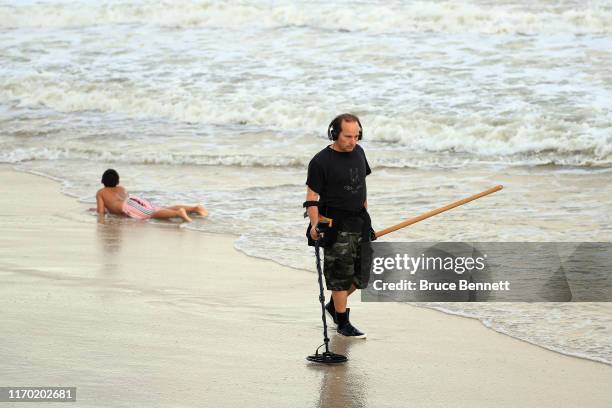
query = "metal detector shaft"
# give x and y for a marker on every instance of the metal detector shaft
(322, 296)
(437, 211)
(327, 357)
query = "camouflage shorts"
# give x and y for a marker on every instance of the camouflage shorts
(343, 264)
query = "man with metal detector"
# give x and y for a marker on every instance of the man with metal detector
(336, 204)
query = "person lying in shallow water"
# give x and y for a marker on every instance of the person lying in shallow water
(116, 200)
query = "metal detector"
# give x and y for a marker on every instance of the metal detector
(327, 357)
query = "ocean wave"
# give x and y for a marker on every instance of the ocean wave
(535, 138)
(379, 160)
(403, 139)
(106, 155)
(529, 137)
(377, 17)
(55, 92)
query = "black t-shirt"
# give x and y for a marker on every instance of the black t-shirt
(339, 178)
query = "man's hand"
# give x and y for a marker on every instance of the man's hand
(314, 234)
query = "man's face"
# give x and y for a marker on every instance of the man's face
(348, 137)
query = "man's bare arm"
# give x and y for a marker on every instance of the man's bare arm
(100, 208)
(313, 212)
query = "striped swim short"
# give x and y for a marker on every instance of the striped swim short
(136, 207)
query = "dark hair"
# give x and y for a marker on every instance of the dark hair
(335, 127)
(110, 178)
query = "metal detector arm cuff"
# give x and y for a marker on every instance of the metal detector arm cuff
(308, 204)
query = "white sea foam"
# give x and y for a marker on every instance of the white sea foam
(449, 16)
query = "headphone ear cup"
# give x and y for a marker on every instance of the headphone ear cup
(331, 132)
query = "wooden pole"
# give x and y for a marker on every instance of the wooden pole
(438, 211)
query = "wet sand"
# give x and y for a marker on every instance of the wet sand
(135, 314)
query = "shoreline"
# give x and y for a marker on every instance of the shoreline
(440, 309)
(175, 297)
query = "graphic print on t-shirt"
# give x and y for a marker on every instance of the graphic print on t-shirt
(356, 185)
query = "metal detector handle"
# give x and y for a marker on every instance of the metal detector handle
(323, 225)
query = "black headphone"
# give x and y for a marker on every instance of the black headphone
(335, 127)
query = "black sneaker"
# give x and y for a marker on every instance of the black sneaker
(348, 330)
(331, 311)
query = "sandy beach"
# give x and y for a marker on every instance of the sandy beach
(225, 104)
(142, 315)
